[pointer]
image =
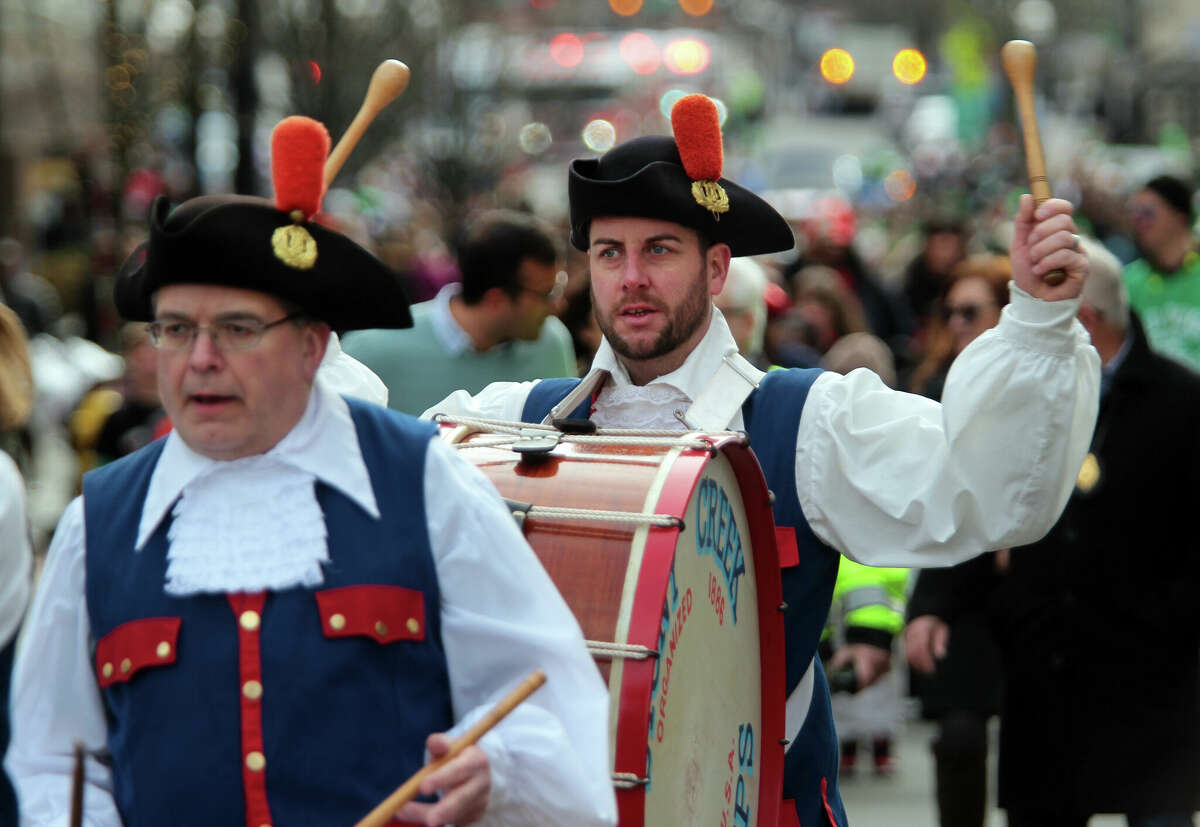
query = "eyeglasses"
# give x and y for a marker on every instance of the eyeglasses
(968, 312)
(555, 293)
(230, 334)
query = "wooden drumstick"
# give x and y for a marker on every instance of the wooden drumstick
(1020, 61)
(407, 791)
(387, 82)
(77, 778)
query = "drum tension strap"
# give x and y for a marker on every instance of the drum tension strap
(721, 399)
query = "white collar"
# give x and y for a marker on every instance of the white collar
(323, 443)
(449, 332)
(692, 375)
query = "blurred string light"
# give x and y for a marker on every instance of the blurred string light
(909, 66)
(696, 8)
(640, 52)
(687, 56)
(625, 8)
(837, 66)
(314, 72)
(599, 135)
(534, 138)
(566, 49)
(899, 185)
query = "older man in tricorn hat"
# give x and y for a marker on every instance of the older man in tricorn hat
(884, 477)
(262, 618)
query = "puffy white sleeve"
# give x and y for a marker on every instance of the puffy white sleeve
(502, 618)
(499, 400)
(55, 699)
(895, 479)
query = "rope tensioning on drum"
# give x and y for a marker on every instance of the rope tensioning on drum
(631, 651)
(605, 436)
(628, 780)
(522, 511)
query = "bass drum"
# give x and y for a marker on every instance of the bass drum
(664, 548)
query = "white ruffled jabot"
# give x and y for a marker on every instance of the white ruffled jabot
(642, 407)
(247, 525)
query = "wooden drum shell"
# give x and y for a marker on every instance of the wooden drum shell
(619, 579)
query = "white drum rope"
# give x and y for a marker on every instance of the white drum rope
(632, 651)
(549, 512)
(602, 436)
(628, 780)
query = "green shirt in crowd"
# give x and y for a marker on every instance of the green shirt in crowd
(427, 362)
(1169, 306)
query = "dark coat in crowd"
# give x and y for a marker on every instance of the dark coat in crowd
(1099, 623)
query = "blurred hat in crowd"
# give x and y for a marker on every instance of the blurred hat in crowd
(277, 247)
(676, 179)
(1175, 192)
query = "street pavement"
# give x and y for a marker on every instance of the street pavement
(906, 798)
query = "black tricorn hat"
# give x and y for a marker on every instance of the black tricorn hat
(267, 246)
(676, 179)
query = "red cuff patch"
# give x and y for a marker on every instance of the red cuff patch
(383, 613)
(134, 646)
(789, 551)
(787, 814)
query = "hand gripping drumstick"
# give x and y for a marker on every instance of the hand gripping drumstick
(407, 791)
(1020, 61)
(387, 82)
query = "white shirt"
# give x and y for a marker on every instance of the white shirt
(501, 618)
(449, 332)
(895, 479)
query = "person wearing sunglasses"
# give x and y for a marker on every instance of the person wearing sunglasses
(1164, 284)
(975, 294)
(497, 324)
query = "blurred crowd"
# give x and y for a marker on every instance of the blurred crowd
(898, 288)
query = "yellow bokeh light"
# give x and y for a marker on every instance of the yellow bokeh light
(625, 8)
(909, 66)
(686, 57)
(837, 66)
(900, 185)
(696, 8)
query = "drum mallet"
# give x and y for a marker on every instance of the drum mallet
(1020, 61)
(407, 791)
(387, 82)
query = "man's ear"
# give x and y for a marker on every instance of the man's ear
(495, 298)
(717, 267)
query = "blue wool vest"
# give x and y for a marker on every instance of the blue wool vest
(346, 702)
(772, 419)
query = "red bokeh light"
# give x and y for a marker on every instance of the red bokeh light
(314, 72)
(640, 52)
(566, 50)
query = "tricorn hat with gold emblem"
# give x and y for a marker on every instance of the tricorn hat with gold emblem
(676, 179)
(274, 247)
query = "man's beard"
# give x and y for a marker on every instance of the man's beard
(681, 324)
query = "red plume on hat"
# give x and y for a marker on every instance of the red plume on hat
(697, 127)
(299, 147)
